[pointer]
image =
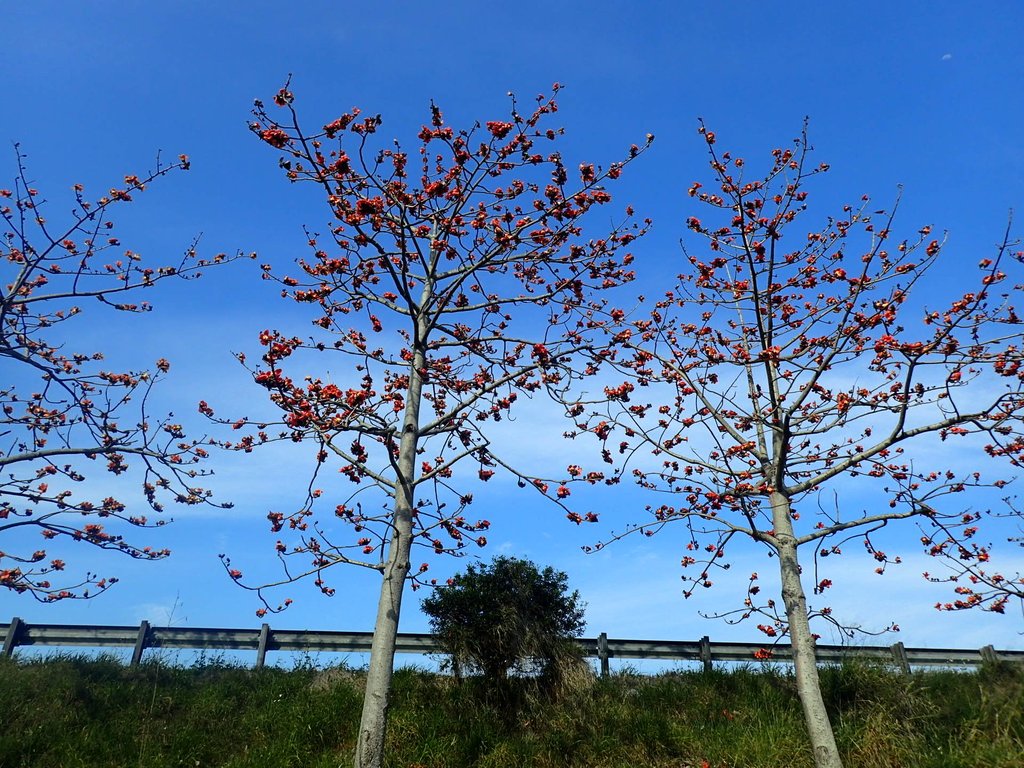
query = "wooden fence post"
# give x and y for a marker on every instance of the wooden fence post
(140, 643)
(11, 641)
(705, 652)
(989, 655)
(899, 656)
(602, 652)
(261, 653)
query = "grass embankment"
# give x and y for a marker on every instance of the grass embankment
(78, 712)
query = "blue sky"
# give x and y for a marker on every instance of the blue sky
(922, 94)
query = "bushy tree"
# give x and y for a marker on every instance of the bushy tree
(506, 617)
(64, 415)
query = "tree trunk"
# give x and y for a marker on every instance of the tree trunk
(374, 719)
(819, 727)
(373, 723)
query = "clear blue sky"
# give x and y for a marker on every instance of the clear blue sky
(920, 93)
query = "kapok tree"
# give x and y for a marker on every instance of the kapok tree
(788, 364)
(451, 284)
(62, 415)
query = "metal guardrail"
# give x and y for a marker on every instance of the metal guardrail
(19, 633)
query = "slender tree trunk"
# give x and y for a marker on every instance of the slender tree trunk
(373, 723)
(374, 719)
(819, 727)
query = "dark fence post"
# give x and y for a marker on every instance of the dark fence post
(261, 653)
(705, 652)
(602, 652)
(140, 643)
(11, 641)
(899, 656)
(989, 655)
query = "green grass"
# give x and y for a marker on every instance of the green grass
(74, 711)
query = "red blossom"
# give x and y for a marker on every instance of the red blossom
(275, 137)
(499, 129)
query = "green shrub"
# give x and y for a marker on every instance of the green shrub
(505, 618)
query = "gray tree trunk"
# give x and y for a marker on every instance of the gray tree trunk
(819, 727)
(373, 722)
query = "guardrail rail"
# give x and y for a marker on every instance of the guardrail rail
(263, 639)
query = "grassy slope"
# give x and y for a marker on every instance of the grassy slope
(79, 712)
